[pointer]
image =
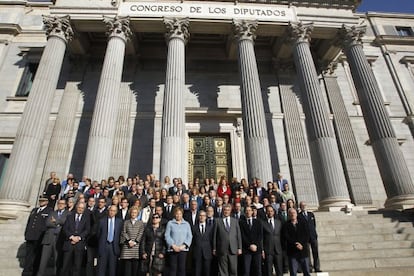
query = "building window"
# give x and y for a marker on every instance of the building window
(404, 31)
(4, 159)
(27, 80)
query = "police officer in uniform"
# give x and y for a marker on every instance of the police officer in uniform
(35, 229)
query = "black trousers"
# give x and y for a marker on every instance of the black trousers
(72, 260)
(131, 267)
(273, 260)
(32, 259)
(176, 263)
(201, 266)
(315, 255)
(252, 264)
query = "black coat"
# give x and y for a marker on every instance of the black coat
(202, 245)
(150, 236)
(69, 229)
(293, 234)
(253, 235)
(310, 219)
(36, 224)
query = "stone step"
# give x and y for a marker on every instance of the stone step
(367, 263)
(362, 225)
(373, 230)
(368, 253)
(322, 223)
(396, 271)
(350, 246)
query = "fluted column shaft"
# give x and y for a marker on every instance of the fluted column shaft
(173, 117)
(18, 179)
(393, 168)
(103, 125)
(254, 120)
(329, 175)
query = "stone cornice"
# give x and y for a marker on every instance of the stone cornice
(13, 29)
(394, 39)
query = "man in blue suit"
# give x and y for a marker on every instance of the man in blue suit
(109, 232)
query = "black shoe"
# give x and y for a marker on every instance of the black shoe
(318, 270)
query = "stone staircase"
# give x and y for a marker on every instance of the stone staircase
(366, 243)
(362, 244)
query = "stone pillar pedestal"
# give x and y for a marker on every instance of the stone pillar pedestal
(103, 126)
(254, 120)
(327, 166)
(18, 179)
(393, 168)
(173, 150)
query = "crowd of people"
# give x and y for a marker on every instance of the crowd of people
(137, 226)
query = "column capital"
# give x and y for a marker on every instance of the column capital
(245, 29)
(351, 35)
(118, 27)
(328, 68)
(299, 32)
(177, 28)
(58, 26)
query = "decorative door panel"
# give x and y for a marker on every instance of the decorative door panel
(209, 156)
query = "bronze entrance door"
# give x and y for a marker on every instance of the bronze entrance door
(209, 156)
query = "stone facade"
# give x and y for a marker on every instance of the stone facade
(299, 105)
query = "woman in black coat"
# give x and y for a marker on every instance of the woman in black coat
(154, 246)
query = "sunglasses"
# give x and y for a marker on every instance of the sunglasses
(155, 217)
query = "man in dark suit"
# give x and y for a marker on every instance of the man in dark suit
(237, 212)
(92, 243)
(202, 246)
(75, 233)
(252, 237)
(169, 208)
(123, 212)
(309, 217)
(191, 216)
(35, 229)
(227, 242)
(109, 232)
(51, 243)
(272, 229)
(296, 234)
(218, 208)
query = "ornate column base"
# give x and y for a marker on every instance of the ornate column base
(401, 202)
(334, 204)
(9, 209)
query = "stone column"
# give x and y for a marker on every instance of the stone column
(352, 162)
(60, 147)
(254, 120)
(173, 150)
(297, 146)
(393, 168)
(103, 125)
(18, 179)
(327, 167)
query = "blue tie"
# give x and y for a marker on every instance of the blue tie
(111, 230)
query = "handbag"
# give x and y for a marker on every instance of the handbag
(158, 264)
